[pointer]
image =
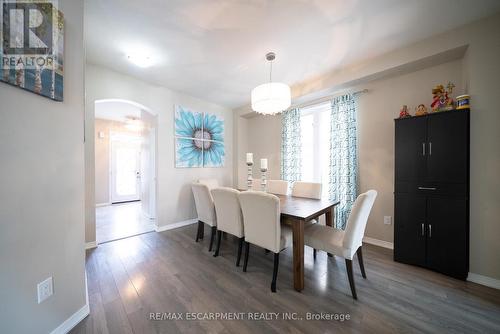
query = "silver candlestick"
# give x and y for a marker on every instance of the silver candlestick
(249, 175)
(263, 179)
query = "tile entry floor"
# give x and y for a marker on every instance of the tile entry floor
(121, 220)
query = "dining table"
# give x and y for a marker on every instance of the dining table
(296, 211)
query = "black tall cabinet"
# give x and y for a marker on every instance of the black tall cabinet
(431, 209)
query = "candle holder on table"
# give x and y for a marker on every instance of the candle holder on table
(249, 175)
(263, 179)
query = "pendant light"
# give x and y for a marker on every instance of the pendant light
(273, 97)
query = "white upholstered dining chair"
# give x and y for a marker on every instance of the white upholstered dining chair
(261, 221)
(277, 187)
(206, 211)
(345, 243)
(229, 217)
(307, 189)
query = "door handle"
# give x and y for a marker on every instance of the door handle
(430, 231)
(423, 148)
(427, 188)
(430, 148)
(423, 229)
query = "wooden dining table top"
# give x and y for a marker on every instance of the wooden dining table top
(304, 208)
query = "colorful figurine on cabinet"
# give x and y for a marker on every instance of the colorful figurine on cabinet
(421, 110)
(441, 98)
(403, 113)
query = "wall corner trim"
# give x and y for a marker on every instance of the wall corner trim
(76, 317)
(91, 244)
(377, 242)
(175, 225)
(484, 280)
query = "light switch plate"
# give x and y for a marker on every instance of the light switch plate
(387, 220)
(45, 289)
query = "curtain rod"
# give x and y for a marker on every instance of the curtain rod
(326, 98)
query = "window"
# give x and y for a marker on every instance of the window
(315, 132)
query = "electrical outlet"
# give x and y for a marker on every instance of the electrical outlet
(45, 289)
(387, 220)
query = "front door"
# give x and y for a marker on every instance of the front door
(125, 168)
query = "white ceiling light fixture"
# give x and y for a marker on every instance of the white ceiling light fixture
(140, 58)
(273, 97)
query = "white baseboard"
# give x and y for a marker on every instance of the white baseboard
(102, 204)
(147, 216)
(175, 225)
(76, 317)
(377, 242)
(91, 244)
(484, 280)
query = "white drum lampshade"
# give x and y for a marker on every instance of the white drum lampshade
(271, 98)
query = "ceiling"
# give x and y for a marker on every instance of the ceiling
(214, 49)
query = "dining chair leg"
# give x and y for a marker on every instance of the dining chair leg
(314, 253)
(199, 231)
(360, 260)
(348, 264)
(275, 271)
(247, 250)
(240, 246)
(219, 236)
(212, 237)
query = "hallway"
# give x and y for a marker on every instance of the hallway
(122, 220)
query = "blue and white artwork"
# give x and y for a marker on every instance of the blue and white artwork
(32, 58)
(199, 139)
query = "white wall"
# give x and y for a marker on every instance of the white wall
(265, 132)
(240, 147)
(478, 71)
(42, 195)
(376, 112)
(174, 201)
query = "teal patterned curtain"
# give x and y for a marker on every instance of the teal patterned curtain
(291, 145)
(343, 157)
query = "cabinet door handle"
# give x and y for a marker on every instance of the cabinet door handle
(423, 229)
(430, 148)
(423, 148)
(430, 231)
(427, 188)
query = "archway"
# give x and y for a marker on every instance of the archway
(125, 141)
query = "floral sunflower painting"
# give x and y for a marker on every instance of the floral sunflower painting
(199, 139)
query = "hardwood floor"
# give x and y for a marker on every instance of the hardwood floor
(168, 272)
